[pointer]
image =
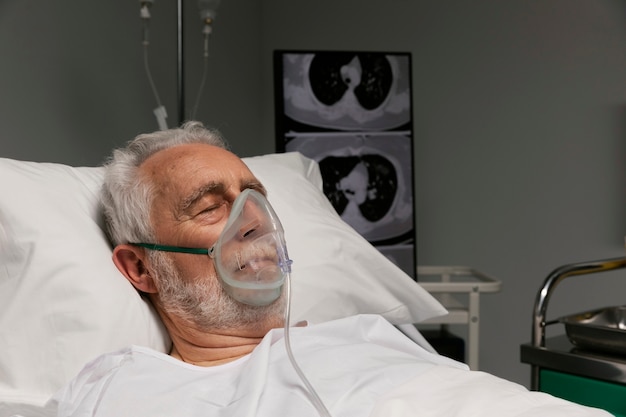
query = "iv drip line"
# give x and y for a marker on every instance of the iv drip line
(205, 68)
(159, 112)
(208, 12)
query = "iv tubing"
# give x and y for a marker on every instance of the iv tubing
(159, 112)
(310, 391)
(149, 74)
(204, 74)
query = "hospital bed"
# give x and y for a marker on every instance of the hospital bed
(63, 303)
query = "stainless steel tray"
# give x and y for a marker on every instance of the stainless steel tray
(601, 330)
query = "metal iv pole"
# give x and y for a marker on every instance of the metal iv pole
(180, 67)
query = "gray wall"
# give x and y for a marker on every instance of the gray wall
(519, 115)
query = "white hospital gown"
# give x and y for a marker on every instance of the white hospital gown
(356, 364)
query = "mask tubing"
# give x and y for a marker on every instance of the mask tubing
(310, 391)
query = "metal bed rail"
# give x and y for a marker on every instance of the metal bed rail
(549, 285)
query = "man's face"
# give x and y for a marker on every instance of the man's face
(195, 186)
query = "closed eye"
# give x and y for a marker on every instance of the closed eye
(213, 213)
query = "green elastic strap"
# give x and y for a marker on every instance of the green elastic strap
(179, 249)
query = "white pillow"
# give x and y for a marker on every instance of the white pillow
(63, 302)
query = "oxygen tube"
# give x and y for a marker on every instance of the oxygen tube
(253, 235)
(310, 391)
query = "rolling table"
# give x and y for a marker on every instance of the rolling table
(459, 288)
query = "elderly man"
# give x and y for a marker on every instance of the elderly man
(194, 233)
(182, 196)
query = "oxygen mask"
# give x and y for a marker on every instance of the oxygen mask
(250, 254)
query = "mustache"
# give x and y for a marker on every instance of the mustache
(251, 258)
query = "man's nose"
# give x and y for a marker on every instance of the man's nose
(252, 220)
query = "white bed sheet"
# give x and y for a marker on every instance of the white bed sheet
(448, 392)
(360, 366)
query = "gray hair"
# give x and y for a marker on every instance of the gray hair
(127, 196)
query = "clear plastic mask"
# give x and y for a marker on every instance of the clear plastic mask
(250, 255)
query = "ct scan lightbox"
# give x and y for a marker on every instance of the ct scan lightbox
(351, 112)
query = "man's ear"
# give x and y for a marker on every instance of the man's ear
(129, 259)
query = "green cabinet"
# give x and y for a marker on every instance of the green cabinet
(592, 392)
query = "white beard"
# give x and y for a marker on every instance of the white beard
(204, 302)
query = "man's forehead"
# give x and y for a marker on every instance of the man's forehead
(180, 169)
(183, 159)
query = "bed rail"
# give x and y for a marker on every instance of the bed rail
(549, 285)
